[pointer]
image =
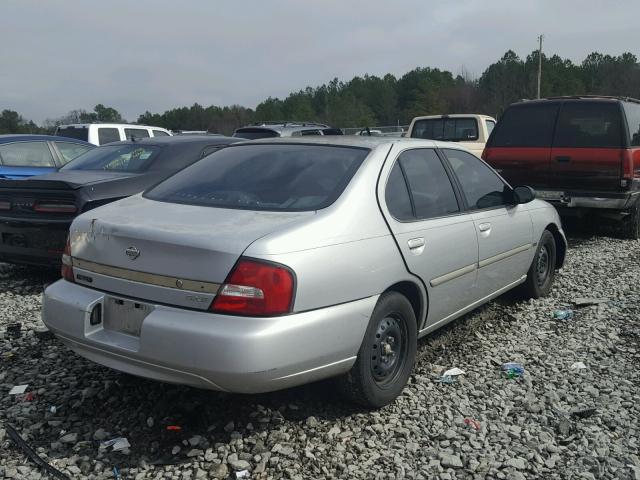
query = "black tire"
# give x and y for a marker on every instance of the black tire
(543, 268)
(376, 379)
(631, 224)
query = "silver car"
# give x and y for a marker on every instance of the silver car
(285, 261)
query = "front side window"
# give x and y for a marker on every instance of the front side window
(526, 125)
(265, 177)
(26, 154)
(116, 158)
(481, 186)
(136, 133)
(589, 125)
(160, 133)
(69, 151)
(108, 135)
(446, 129)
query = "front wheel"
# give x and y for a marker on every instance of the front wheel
(386, 356)
(543, 268)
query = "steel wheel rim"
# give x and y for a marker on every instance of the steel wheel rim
(388, 349)
(542, 265)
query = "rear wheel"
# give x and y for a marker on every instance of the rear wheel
(386, 356)
(631, 224)
(543, 268)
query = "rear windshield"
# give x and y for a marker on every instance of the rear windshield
(116, 158)
(632, 111)
(525, 126)
(265, 177)
(73, 132)
(446, 129)
(589, 125)
(254, 133)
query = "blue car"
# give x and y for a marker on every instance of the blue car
(24, 156)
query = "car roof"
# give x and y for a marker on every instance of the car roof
(286, 126)
(362, 141)
(111, 125)
(573, 98)
(180, 140)
(24, 137)
(454, 115)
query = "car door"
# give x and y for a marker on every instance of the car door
(435, 236)
(504, 229)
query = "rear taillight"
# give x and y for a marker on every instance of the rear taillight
(256, 288)
(627, 168)
(5, 205)
(54, 207)
(67, 264)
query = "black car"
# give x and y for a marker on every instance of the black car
(35, 213)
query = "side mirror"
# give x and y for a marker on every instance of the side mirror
(523, 194)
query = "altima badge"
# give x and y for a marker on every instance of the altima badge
(132, 252)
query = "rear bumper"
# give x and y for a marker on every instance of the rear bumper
(600, 200)
(32, 243)
(218, 352)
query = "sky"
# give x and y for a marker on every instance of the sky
(157, 54)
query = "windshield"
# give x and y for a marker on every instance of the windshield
(79, 133)
(116, 158)
(265, 177)
(254, 133)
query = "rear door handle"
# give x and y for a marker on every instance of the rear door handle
(484, 227)
(416, 243)
(563, 158)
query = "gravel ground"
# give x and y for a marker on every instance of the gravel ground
(555, 422)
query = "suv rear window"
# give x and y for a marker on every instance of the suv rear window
(589, 125)
(265, 177)
(446, 129)
(254, 133)
(525, 126)
(632, 111)
(115, 158)
(79, 133)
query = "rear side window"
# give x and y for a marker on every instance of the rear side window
(431, 192)
(78, 133)
(525, 126)
(397, 195)
(26, 154)
(254, 133)
(69, 151)
(490, 125)
(116, 158)
(108, 135)
(159, 133)
(136, 133)
(589, 125)
(480, 184)
(446, 129)
(265, 177)
(632, 111)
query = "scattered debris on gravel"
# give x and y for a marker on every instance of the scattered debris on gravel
(551, 420)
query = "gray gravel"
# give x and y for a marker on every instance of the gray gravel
(554, 422)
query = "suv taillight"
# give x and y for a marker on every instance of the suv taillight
(67, 264)
(256, 288)
(627, 168)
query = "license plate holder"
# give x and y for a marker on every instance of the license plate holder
(125, 316)
(549, 195)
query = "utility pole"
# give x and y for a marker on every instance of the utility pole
(540, 37)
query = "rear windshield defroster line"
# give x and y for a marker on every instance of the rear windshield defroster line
(277, 177)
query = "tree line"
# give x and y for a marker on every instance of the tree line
(372, 100)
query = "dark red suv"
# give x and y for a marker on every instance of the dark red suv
(580, 153)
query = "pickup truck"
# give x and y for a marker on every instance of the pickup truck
(581, 153)
(469, 130)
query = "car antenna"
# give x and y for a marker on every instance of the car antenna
(368, 131)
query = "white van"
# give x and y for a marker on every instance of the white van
(101, 133)
(469, 130)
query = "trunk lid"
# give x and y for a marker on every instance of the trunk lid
(170, 242)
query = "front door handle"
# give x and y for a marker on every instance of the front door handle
(416, 243)
(563, 158)
(484, 227)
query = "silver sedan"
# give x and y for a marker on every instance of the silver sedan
(282, 262)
